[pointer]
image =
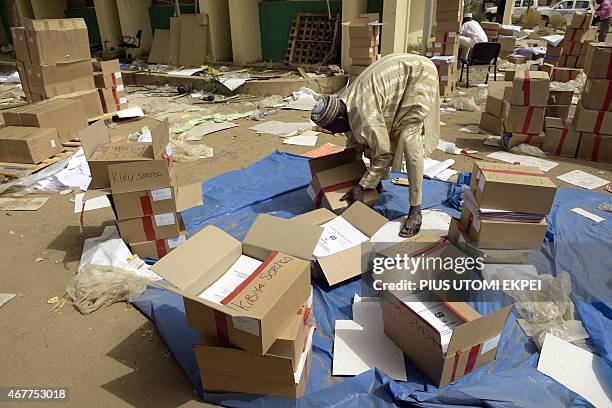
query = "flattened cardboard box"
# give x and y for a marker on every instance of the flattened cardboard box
(592, 121)
(597, 94)
(502, 234)
(598, 62)
(523, 119)
(510, 187)
(529, 88)
(159, 248)
(332, 176)
(472, 344)
(561, 137)
(60, 79)
(509, 139)
(491, 124)
(20, 42)
(282, 282)
(351, 262)
(595, 147)
(151, 227)
(156, 201)
(151, 168)
(28, 144)
(90, 100)
(57, 40)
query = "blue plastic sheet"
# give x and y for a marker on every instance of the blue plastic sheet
(276, 185)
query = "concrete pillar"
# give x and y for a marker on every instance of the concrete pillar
(396, 17)
(246, 35)
(108, 22)
(508, 11)
(219, 26)
(416, 19)
(427, 23)
(350, 10)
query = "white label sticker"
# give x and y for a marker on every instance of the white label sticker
(481, 182)
(117, 74)
(161, 194)
(438, 44)
(452, 34)
(123, 100)
(120, 88)
(53, 143)
(476, 224)
(311, 193)
(444, 78)
(164, 219)
(490, 344)
(246, 324)
(174, 242)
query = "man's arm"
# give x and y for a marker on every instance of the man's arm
(381, 155)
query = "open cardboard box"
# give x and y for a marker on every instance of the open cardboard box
(126, 166)
(252, 316)
(473, 341)
(351, 262)
(332, 176)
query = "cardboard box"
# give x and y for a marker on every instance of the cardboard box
(447, 49)
(448, 26)
(558, 111)
(592, 121)
(365, 61)
(560, 97)
(580, 61)
(449, 15)
(562, 74)
(571, 48)
(150, 227)
(447, 87)
(597, 94)
(20, 42)
(346, 264)
(507, 43)
(445, 70)
(332, 176)
(157, 249)
(150, 168)
(28, 144)
(529, 88)
(581, 20)
(107, 67)
(595, 147)
(523, 119)
(561, 137)
(509, 139)
(292, 341)
(490, 28)
(156, 201)
(569, 61)
(509, 187)
(113, 80)
(503, 234)
(59, 79)
(598, 62)
(553, 51)
(56, 41)
(67, 116)
(357, 69)
(364, 31)
(363, 52)
(548, 68)
(517, 59)
(252, 323)
(498, 92)
(448, 37)
(90, 100)
(491, 123)
(109, 105)
(23, 76)
(449, 5)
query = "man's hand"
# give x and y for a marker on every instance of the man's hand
(354, 194)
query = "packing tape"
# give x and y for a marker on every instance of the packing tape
(334, 187)
(516, 172)
(160, 245)
(528, 118)
(221, 325)
(455, 364)
(596, 147)
(529, 138)
(469, 364)
(251, 277)
(574, 31)
(561, 141)
(145, 205)
(526, 88)
(147, 226)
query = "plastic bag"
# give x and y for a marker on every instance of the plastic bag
(96, 286)
(528, 149)
(186, 152)
(463, 103)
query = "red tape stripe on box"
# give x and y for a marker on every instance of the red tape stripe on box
(469, 223)
(526, 88)
(160, 245)
(145, 205)
(147, 225)
(335, 187)
(599, 121)
(561, 141)
(596, 147)
(455, 364)
(250, 279)
(221, 325)
(472, 357)
(528, 119)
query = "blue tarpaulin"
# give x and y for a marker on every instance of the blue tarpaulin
(276, 185)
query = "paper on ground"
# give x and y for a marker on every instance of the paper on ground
(134, 112)
(451, 148)
(233, 81)
(582, 179)
(308, 138)
(274, 127)
(588, 215)
(22, 204)
(305, 103)
(361, 344)
(470, 129)
(235, 275)
(5, 297)
(577, 369)
(437, 169)
(544, 165)
(185, 72)
(338, 235)
(206, 128)
(91, 204)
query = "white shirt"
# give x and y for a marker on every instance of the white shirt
(473, 30)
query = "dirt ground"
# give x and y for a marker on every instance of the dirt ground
(114, 356)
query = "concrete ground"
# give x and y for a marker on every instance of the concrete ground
(114, 356)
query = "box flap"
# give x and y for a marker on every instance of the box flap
(342, 265)
(476, 331)
(331, 160)
(93, 136)
(316, 217)
(364, 218)
(91, 194)
(160, 135)
(512, 173)
(188, 196)
(290, 237)
(340, 177)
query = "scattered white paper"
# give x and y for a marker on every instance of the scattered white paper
(232, 83)
(588, 215)
(133, 112)
(305, 103)
(577, 369)
(308, 138)
(185, 72)
(544, 165)
(206, 128)
(361, 344)
(22, 204)
(553, 40)
(235, 275)
(470, 129)
(451, 148)
(338, 235)
(494, 141)
(274, 127)
(5, 297)
(76, 174)
(437, 169)
(91, 204)
(582, 179)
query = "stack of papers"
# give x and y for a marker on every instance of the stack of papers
(437, 169)
(226, 284)
(496, 215)
(338, 235)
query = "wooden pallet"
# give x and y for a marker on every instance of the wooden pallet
(313, 39)
(17, 170)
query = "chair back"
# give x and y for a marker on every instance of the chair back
(484, 53)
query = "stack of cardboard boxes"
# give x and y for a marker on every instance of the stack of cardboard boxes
(364, 40)
(491, 29)
(594, 111)
(108, 80)
(53, 61)
(139, 177)
(492, 118)
(449, 14)
(575, 41)
(250, 304)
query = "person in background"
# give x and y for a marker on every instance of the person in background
(603, 12)
(471, 33)
(389, 113)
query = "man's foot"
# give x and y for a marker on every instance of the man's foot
(412, 223)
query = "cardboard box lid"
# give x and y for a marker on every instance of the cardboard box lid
(316, 217)
(364, 218)
(476, 331)
(288, 236)
(60, 24)
(507, 173)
